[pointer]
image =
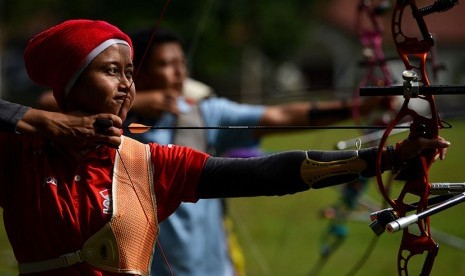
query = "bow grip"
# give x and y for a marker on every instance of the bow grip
(103, 124)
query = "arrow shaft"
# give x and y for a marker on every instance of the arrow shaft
(263, 127)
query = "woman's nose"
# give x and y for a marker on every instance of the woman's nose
(125, 82)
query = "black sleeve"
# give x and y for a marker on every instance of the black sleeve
(10, 114)
(276, 174)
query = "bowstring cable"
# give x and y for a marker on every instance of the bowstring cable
(154, 34)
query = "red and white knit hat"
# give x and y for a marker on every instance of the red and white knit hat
(57, 56)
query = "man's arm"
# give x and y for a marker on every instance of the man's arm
(318, 113)
(10, 115)
(65, 128)
(153, 103)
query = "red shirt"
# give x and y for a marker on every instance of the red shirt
(52, 204)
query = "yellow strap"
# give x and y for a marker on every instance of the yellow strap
(41, 266)
(313, 171)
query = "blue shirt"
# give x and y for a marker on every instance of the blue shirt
(193, 239)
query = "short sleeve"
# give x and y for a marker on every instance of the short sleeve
(177, 172)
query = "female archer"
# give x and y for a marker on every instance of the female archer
(94, 210)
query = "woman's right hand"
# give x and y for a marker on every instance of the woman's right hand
(72, 129)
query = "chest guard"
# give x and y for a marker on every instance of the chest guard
(125, 244)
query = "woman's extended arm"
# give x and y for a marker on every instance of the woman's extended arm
(296, 171)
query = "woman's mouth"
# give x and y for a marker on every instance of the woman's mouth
(123, 97)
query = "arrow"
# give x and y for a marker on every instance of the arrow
(140, 128)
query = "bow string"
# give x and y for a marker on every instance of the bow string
(146, 51)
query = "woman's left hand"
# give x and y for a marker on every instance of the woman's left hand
(411, 148)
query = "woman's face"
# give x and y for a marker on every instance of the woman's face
(106, 85)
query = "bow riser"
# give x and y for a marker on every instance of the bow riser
(410, 48)
(414, 244)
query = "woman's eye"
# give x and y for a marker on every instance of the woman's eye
(112, 71)
(129, 74)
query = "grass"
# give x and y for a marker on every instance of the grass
(282, 235)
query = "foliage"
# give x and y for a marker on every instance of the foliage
(215, 31)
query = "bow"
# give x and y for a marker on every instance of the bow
(370, 32)
(412, 49)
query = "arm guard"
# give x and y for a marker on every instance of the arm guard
(322, 169)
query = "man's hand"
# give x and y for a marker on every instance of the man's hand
(369, 105)
(153, 103)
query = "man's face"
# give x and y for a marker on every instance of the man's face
(106, 84)
(164, 69)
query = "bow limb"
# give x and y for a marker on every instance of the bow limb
(370, 33)
(409, 47)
